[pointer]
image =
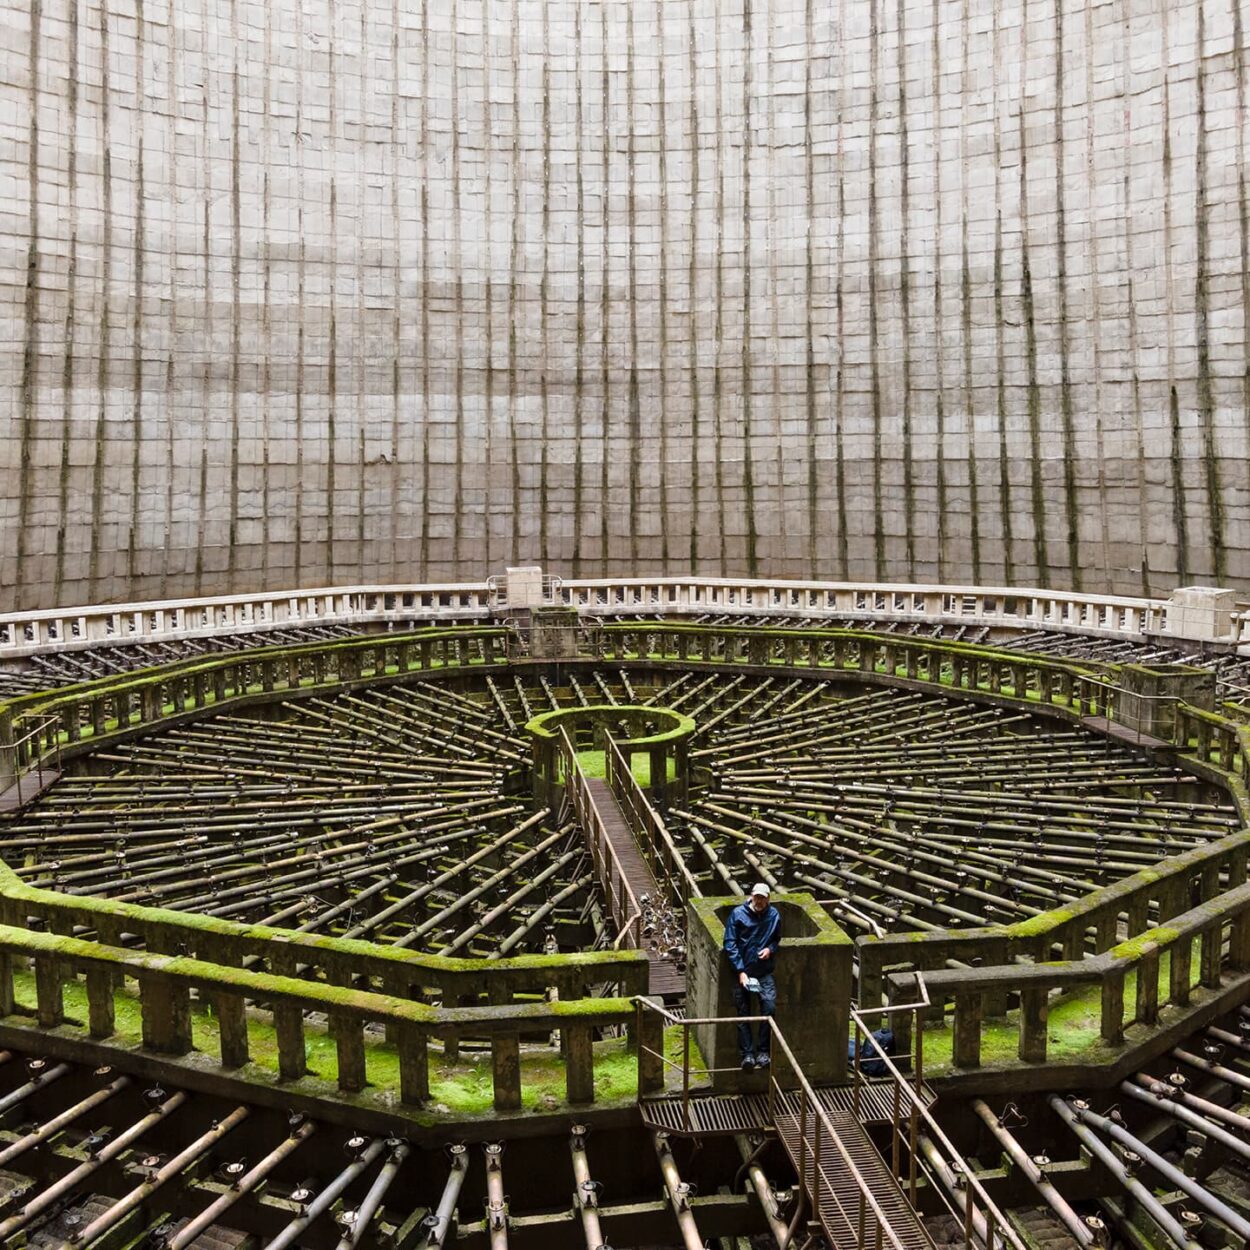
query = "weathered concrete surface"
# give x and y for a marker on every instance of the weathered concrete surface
(306, 292)
(813, 991)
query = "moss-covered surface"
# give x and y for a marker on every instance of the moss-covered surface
(462, 1088)
(677, 725)
(1074, 1027)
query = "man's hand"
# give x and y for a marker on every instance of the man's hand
(742, 978)
(766, 953)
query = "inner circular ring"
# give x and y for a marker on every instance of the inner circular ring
(661, 733)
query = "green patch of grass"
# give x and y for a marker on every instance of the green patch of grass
(594, 764)
(1073, 1027)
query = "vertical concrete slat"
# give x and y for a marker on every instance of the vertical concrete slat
(288, 1019)
(505, 1053)
(232, 1029)
(49, 992)
(580, 1063)
(101, 1008)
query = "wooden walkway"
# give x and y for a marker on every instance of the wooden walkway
(666, 981)
(27, 788)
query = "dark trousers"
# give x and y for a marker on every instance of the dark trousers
(767, 1007)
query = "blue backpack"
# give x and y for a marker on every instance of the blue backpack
(870, 1063)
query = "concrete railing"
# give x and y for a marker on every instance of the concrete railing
(1220, 928)
(392, 970)
(1020, 608)
(111, 707)
(66, 629)
(1105, 615)
(166, 985)
(1088, 926)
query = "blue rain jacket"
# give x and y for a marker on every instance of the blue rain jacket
(747, 933)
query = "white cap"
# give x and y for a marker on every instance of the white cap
(760, 887)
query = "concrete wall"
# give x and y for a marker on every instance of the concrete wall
(315, 291)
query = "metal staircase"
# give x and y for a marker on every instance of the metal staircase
(858, 1198)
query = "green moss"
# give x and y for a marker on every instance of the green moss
(1036, 926)
(594, 764)
(1073, 1027)
(1135, 947)
(546, 726)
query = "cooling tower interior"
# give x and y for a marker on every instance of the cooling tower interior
(316, 292)
(623, 625)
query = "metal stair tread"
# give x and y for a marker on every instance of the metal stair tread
(886, 1192)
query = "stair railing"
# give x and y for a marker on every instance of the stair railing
(914, 1130)
(872, 1226)
(624, 906)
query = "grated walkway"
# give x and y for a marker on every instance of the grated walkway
(838, 1200)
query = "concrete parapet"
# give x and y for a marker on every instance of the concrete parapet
(1203, 613)
(1149, 694)
(813, 989)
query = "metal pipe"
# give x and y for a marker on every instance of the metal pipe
(1071, 1221)
(121, 1208)
(678, 1194)
(757, 1182)
(1215, 1069)
(584, 1192)
(1173, 1175)
(398, 1152)
(325, 1199)
(1142, 1193)
(1203, 1106)
(496, 1204)
(244, 1185)
(1171, 1106)
(68, 1116)
(440, 1223)
(69, 1182)
(38, 1081)
(958, 1194)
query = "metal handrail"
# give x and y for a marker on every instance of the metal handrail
(601, 848)
(808, 1099)
(649, 823)
(918, 1111)
(35, 758)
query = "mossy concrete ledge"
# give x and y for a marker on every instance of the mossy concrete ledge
(813, 990)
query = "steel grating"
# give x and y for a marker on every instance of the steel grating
(838, 1195)
(744, 1113)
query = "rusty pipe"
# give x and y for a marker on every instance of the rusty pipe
(757, 1182)
(584, 1198)
(440, 1223)
(1172, 1175)
(1166, 1222)
(245, 1184)
(53, 1195)
(38, 1081)
(398, 1152)
(123, 1206)
(678, 1194)
(1191, 1110)
(1071, 1221)
(325, 1199)
(496, 1202)
(68, 1116)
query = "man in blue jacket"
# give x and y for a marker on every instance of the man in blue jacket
(751, 940)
